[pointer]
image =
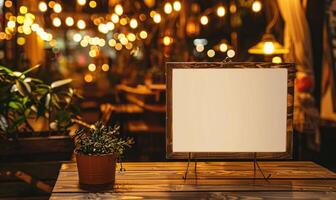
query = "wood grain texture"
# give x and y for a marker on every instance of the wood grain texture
(218, 155)
(215, 180)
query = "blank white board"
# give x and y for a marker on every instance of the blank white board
(229, 110)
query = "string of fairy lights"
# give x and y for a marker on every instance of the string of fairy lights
(127, 31)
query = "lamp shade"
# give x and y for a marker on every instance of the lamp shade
(268, 46)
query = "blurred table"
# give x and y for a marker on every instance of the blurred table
(215, 180)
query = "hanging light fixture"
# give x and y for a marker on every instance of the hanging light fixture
(268, 44)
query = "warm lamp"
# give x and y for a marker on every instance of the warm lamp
(268, 46)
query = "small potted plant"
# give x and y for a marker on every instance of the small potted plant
(97, 149)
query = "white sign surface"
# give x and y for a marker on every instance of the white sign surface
(229, 110)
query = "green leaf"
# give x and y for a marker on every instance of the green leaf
(31, 69)
(60, 83)
(7, 70)
(15, 105)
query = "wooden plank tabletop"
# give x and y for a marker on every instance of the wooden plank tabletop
(215, 180)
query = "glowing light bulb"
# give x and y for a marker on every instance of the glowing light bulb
(57, 8)
(118, 46)
(11, 24)
(221, 11)
(204, 20)
(211, 53)
(21, 41)
(199, 48)
(167, 40)
(88, 78)
(157, 18)
(118, 9)
(103, 28)
(133, 23)
(92, 4)
(168, 8)
(81, 24)
(231, 53)
(277, 59)
(105, 67)
(23, 9)
(177, 5)
(69, 21)
(81, 2)
(131, 37)
(92, 67)
(57, 22)
(143, 34)
(269, 48)
(115, 18)
(256, 6)
(77, 37)
(112, 42)
(43, 6)
(223, 47)
(110, 26)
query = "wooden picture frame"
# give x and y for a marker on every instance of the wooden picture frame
(231, 155)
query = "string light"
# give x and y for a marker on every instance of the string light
(81, 2)
(21, 41)
(123, 21)
(118, 47)
(143, 34)
(69, 21)
(157, 18)
(177, 5)
(88, 78)
(256, 6)
(57, 8)
(11, 24)
(8, 4)
(114, 18)
(112, 42)
(131, 37)
(105, 67)
(199, 48)
(43, 6)
(204, 20)
(221, 11)
(211, 53)
(231, 53)
(92, 4)
(103, 28)
(81, 24)
(168, 8)
(110, 26)
(133, 23)
(51, 4)
(129, 46)
(23, 9)
(92, 67)
(223, 47)
(77, 37)
(167, 40)
(57, 22)
(118, 9)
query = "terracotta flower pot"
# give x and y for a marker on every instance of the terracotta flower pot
(96, 169)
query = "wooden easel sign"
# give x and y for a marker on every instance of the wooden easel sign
(229, 110)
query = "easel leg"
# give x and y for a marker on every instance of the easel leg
(256, 164)
(195, 168)
(186, 172)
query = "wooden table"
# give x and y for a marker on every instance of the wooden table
(216, 180)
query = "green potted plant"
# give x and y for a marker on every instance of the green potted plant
(97, 150)
(25, 101)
